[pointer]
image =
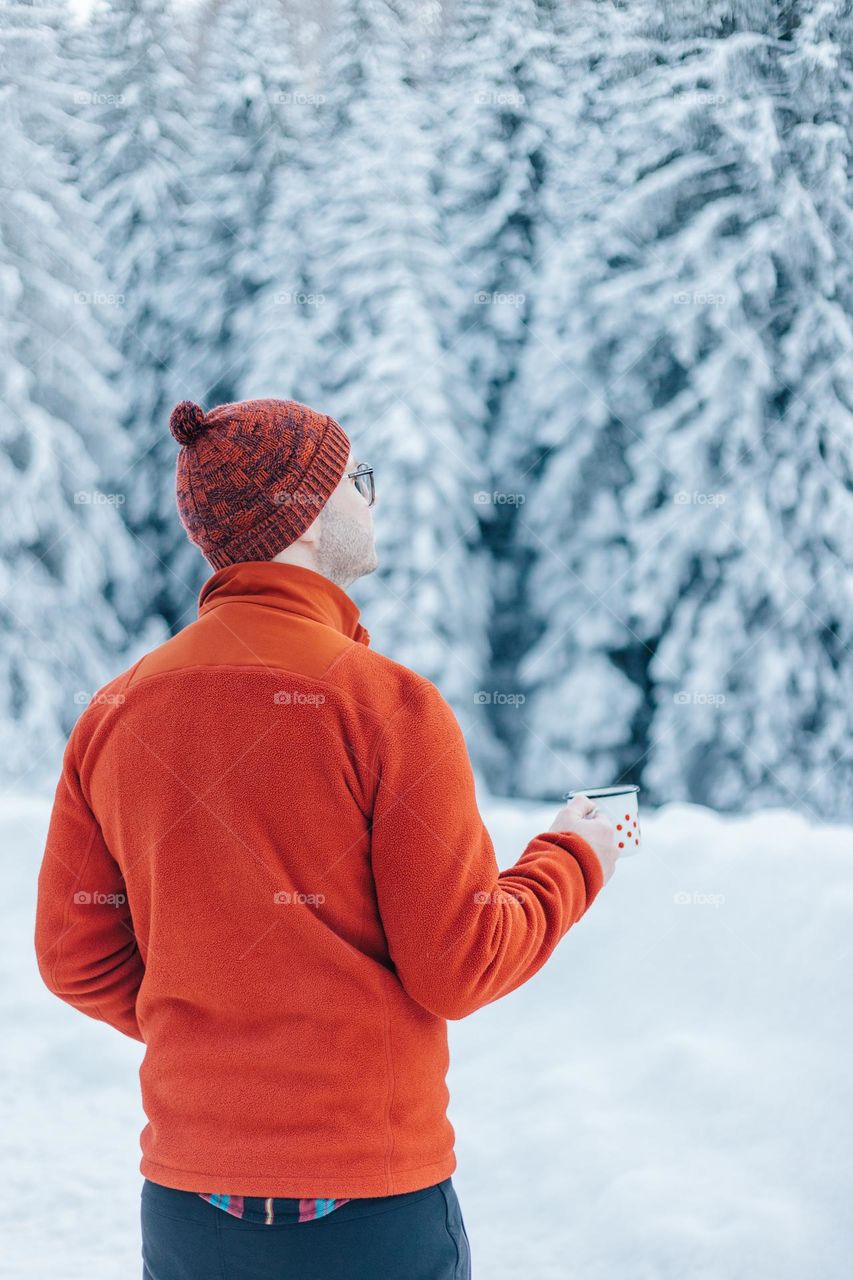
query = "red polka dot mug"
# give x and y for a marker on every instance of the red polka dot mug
(621, 805)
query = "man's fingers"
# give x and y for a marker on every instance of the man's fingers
(583, 805)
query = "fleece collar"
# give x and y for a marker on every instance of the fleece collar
(284, 586)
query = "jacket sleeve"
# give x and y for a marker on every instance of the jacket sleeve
(85, 945)
(460, 932)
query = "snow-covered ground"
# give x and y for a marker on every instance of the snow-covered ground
(670, 1098)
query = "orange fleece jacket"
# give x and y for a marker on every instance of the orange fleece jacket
(265, 860)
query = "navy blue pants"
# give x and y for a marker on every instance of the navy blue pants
(418, 1235)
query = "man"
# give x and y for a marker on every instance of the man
(265, 862)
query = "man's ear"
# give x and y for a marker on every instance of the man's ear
(312, 533)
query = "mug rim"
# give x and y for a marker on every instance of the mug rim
(601, 792)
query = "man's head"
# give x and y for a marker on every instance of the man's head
(339, 543)
(270, 480)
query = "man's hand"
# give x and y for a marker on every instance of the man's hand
(597, 830)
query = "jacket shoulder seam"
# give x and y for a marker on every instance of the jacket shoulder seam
(265, 667)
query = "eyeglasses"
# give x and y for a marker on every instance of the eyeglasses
(363, 478)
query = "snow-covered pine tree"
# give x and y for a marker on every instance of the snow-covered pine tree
(380, 363)
(241, 111)
(492, 70)
(243, 90)
(760, 597)
(552, 423)
(273, 329)
(715, 315)
(65, 559)
(580, 42)
(495, 74)
(135, 58)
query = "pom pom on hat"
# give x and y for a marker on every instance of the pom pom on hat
(186, 421)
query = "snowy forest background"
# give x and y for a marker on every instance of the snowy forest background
(575, 277)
